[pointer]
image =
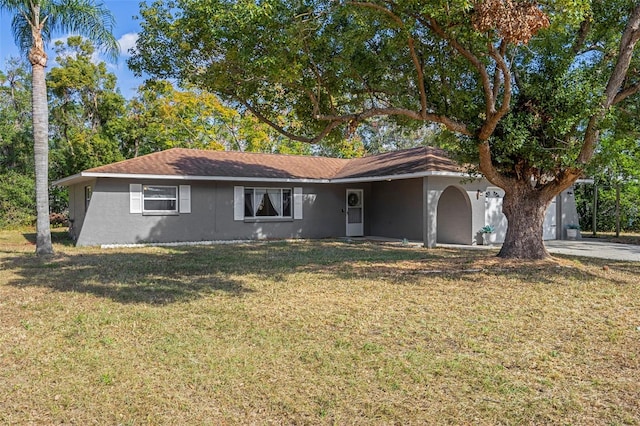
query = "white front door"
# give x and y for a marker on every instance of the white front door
(355, 213)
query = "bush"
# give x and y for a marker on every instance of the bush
(17, 200)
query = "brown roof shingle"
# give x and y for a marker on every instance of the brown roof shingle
(229, 164)
(192, 162)
(403, 162)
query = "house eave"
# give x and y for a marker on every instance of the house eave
(92, 175)
(399, 177)
(70, 180)
(85, 176)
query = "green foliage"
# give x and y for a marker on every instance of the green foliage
(606, 207)
(86, 17)
(16, 145)
(85, 108)
(317, 60)
(163, 117)
(17, 193)
(616, 165)
(274, 54)
(17, 199)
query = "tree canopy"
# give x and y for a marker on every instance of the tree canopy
(526, 87)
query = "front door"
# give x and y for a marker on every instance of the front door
(355, 213)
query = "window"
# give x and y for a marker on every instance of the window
(159, 199)
(267, 202)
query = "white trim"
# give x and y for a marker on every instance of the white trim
(298, 204)
(176, 199)
(354, 229)
(256, 200)
(77, 177)
(185, 198)
(87, 175)
(238, 203)
(399, 177)
(135, 198)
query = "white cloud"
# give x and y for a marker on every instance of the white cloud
(126, 42)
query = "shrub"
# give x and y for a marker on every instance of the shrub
(17, 200)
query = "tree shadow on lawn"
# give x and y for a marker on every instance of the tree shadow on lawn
(150, 278)
(160, 276)
(164, 275)
(459, 264)
(58, 236)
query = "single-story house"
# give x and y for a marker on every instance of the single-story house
(187, 195)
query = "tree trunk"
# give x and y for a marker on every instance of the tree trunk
(525, 210)
(41, 154)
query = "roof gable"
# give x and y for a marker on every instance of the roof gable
(403, 162)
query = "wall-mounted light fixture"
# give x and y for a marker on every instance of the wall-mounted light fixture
(478, 193)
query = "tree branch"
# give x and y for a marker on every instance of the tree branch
(581, 39)
(316, 139)
(487, 168)
(625, 93)
(477, 64)
(497, 76)
(451, 124)
(492, 119)
(628, 41)
(412, 49)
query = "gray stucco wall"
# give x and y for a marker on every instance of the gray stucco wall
(433, 187)
(567, 213)
(396, 209)
(108, 220)
(77, 207)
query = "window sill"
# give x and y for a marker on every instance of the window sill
(160, 214)
(267, 219)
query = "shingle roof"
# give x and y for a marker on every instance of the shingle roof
(403, 162)
(193, 162)
(185, 162)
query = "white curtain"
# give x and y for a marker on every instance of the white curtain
(259, 201)
(275, 196)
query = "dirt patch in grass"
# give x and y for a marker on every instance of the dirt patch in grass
(315, 333)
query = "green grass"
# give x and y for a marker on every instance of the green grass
(319, 332)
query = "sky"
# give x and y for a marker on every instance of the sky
(126, 30)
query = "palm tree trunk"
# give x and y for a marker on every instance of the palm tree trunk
(40, 110)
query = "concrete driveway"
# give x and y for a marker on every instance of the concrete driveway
(602, 250)
(583, 247)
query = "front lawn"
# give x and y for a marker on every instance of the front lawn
(323, 332)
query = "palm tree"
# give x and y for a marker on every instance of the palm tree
(33, 23)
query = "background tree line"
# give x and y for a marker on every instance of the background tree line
(92, 124)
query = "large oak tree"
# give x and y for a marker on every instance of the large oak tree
(526, 87)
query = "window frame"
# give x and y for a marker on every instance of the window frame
(254, 203)
(175, 199)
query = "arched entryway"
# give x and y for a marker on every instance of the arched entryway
(454, 217)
